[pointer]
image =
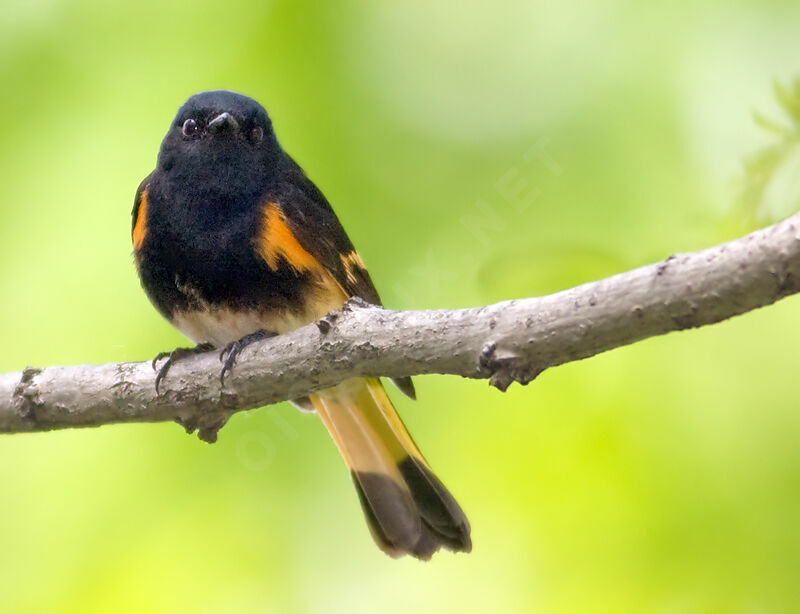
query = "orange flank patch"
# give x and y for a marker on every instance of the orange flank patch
(139, 228)
(276, 241)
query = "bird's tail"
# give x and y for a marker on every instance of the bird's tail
(409, 511)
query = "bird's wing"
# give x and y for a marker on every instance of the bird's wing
(299, 205)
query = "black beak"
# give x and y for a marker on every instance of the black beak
(224, 122)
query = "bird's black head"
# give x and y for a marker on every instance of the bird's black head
(220, 142)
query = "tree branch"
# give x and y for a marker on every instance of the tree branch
(506, 342)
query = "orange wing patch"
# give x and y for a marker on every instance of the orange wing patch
(139, 228)
(276, 241)
(350, 262)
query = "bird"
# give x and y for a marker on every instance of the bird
(234, 243)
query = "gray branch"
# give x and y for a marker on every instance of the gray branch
(506, 342)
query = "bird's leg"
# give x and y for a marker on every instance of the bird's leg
(230, 352)
(174, 356)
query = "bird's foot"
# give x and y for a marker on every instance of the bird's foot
(174, 356)
(231, 352)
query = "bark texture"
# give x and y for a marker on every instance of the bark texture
(505, 342)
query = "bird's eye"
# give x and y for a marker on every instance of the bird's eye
(189, 127)
(256, 134)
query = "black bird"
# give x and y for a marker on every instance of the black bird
(234, 243)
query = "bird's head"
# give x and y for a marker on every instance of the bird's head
(220, 138)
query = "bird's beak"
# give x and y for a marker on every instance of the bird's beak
(224, 122)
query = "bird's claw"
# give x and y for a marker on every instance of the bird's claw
(231, 352)
(173, 357)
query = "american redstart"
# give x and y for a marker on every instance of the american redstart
(234, 243)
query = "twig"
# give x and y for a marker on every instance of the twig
(506, 342)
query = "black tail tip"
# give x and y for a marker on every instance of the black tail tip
(419, 524)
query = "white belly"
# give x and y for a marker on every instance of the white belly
(223, 326)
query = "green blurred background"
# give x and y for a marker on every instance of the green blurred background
(475, 152)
